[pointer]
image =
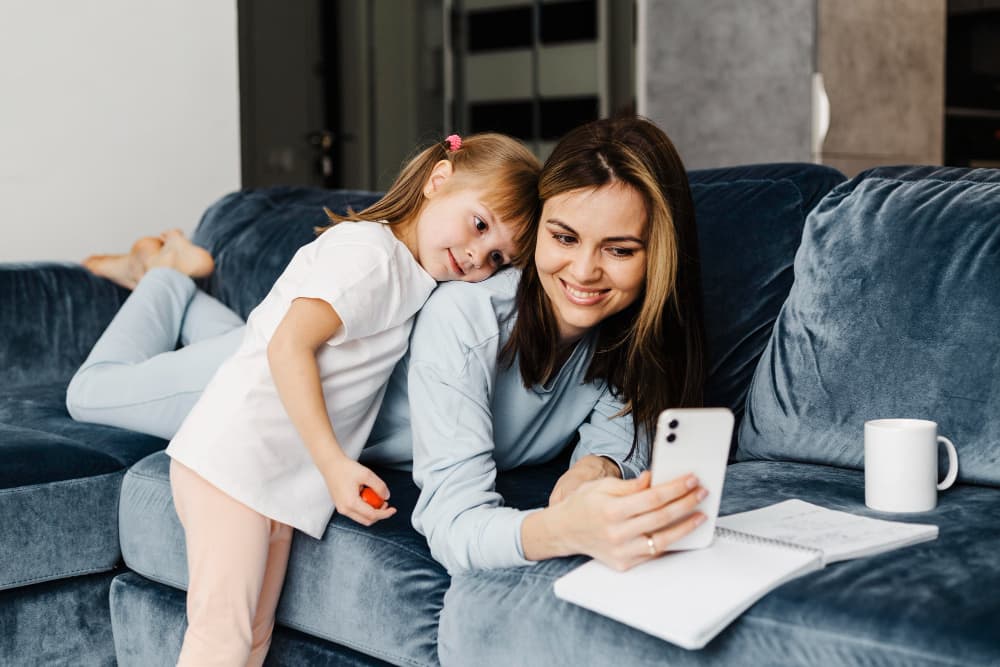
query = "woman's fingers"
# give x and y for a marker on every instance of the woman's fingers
(662, 539)
(654, 497)
(666, 515)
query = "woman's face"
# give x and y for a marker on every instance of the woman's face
(591, 255)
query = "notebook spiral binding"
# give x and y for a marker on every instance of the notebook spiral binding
(756, 539)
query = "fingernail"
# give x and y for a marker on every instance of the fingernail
(692, 482)
(700, 519)
(702, 494)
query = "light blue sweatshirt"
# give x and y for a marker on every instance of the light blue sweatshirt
(468, 418)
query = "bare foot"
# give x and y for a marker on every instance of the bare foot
(143, 252)
(116, 268)
(180, 254)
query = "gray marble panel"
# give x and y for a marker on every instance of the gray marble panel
(730, 80)
(884, 66)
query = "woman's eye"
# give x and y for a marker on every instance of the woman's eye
(496, 257)
(621, 252)
(564, 239)
(481, 225)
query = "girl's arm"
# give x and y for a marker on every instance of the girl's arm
(291, 355)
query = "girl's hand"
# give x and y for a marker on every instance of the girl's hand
(614, 520)
(587, 469)
(344, 480)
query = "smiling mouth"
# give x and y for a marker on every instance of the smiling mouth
(582, 297)
(454, 265)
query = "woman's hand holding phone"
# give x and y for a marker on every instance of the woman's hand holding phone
(626, 522)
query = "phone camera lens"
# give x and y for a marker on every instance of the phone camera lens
(671, 437)
(673, 423)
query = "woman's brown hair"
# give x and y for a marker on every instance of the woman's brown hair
(652, 353)
(500, 164)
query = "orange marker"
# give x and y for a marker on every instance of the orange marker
(372, 498)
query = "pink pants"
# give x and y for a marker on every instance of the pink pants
(236, 568)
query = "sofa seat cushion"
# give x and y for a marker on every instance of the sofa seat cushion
(57, 624)
(41, 408)
(894, 313)
(59, 484)
(929, 604)
(376, 590)
(149, 622)
(58, 508)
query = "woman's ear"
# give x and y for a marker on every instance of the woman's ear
(441, 172)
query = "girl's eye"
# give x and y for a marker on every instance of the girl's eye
(496, 257)
(481, 225)
(564, 239)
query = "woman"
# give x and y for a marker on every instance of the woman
(601, 332)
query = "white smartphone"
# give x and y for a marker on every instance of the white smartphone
(694, 440)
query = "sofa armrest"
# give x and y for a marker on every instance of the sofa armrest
(51, 315)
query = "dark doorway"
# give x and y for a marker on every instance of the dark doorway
(338, 93)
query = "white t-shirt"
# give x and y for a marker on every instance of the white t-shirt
(239, 436)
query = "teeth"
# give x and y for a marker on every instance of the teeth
(581, 295)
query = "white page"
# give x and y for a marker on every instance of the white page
(686, 597)
(839, 535)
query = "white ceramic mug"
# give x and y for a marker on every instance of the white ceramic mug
(901, 465)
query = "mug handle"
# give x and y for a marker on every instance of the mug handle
(949, 479)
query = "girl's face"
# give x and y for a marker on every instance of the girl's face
(458, 236)
(591, 255)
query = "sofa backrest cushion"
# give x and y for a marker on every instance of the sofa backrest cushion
(750, 223)
(895, 312)
(253, 233)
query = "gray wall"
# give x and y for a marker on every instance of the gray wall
(730, 82)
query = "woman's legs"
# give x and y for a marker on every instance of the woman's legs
(134, 377)
(236, 567)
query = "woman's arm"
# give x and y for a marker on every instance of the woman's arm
(604, 449)
(291, 355)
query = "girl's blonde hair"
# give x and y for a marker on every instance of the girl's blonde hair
(501, 165)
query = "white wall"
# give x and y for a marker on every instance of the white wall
(117, 119)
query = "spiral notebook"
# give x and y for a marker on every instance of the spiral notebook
(754, 552)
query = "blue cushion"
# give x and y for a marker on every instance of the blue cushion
(41, 409)
(252, 234)
(59, 483)
(376, 590)
(58, 529)
(895, 312)
(52, 315)
(149, 624)
(336, 586)
(928, 604)
(57, 623)
(749, 226)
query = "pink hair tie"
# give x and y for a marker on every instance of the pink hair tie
(454, 142)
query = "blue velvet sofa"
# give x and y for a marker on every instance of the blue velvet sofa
(894, 311)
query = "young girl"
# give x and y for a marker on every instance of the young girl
(273, 442)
